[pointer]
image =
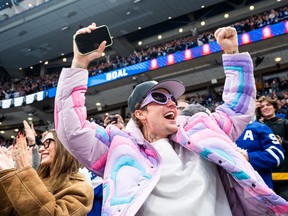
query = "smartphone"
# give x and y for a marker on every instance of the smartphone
(87, 43)
(113, 119)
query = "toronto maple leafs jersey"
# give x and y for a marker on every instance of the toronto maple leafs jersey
(264, 150)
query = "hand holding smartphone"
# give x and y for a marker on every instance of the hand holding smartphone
(113, 118)
(89, 42)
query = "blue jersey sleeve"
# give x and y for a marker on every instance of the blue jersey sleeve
(264, 150)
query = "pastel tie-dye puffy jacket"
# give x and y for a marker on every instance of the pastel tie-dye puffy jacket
(131, 167)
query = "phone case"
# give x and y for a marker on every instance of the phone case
(107, 45)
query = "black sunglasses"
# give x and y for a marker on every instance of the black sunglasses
(46, 143)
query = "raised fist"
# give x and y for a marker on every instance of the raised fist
(227, 38)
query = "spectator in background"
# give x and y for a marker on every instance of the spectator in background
(283, 84)
(274, 95)
(282, 110)
(182, 103)
(273, 16)
(275, 85)
(2, 94)
(154, 167)
(283, 14)
(263, 150)
(115, 120)
(239, 28)
(57, 188)
(267, 88)
(247, 25)
(33, 142)
(267, 109)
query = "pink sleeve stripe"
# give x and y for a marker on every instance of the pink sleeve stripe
(78, 98)
(99, 164)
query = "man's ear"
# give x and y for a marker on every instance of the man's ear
(139, 114)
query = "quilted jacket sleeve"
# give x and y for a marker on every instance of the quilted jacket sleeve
(26, 194)
(86, 141)
(239, 95)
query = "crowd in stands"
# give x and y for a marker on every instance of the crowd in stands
(273, 88)
(27, 85)
(180, 44)
(32, 84)
(262, 20)
(48, 163)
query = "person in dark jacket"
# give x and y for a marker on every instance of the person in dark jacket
(266, 108)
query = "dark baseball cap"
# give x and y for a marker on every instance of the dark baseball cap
(176, 88)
